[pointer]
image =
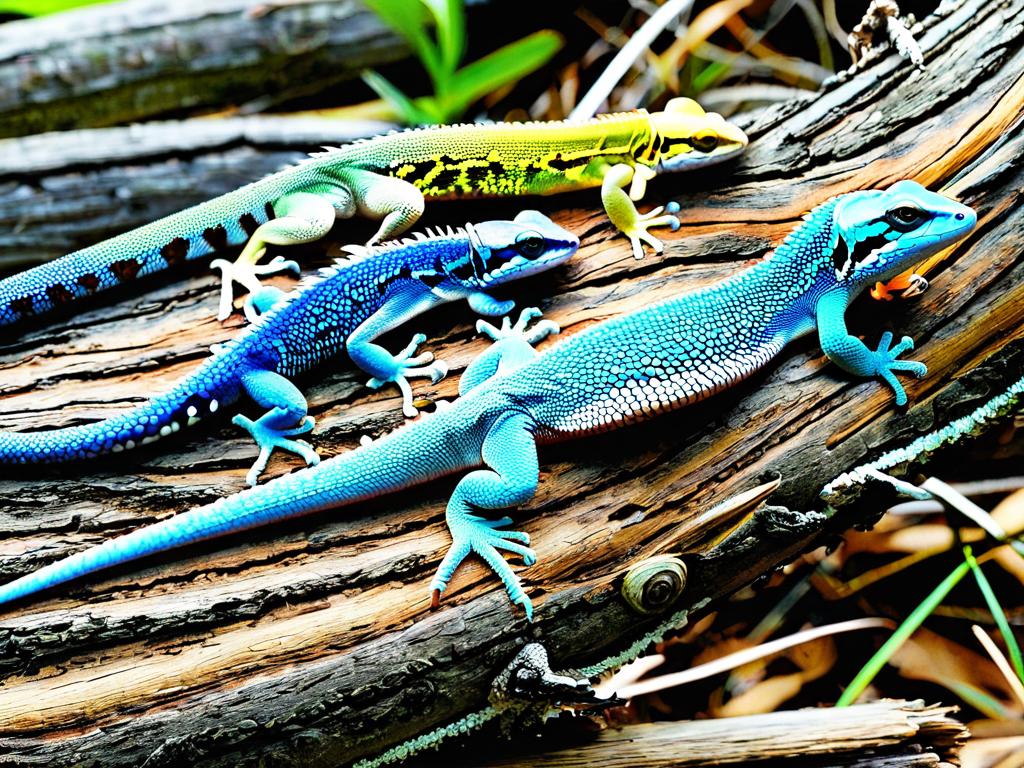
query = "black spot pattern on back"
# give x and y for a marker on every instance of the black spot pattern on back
(446, 178)
(23, 305)
(249, 223)
(419, 170)
(559, 164)
(268, 208)
(217, 237)
(175, 251)
(431, 279)
(126, 269)
(89, 281)
(59, 294)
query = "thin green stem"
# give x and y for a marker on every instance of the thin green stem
(903, 631)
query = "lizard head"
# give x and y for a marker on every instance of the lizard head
(685, 136)
(880, 233)
(509, 250)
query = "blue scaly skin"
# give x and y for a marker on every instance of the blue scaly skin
(389, 178)
(345, 308)
(616, 372)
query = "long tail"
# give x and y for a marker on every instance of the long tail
(190, 234)
(193, 399)
(433, 447)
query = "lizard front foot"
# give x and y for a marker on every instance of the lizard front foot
(407, 367)
(886, 363)
(247, 273)
(540, 331)
(635, 228)
(472, 533)
(268, 438)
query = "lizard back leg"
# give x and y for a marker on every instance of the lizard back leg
(286, 417)
(302, 217)
(396, 203)
(510, 453)
(623, 213)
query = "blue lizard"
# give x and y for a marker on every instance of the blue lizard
(615, 372)
(345, 308)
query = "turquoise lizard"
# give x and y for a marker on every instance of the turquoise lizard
(387, 178)
(615, 372)
(345, 308)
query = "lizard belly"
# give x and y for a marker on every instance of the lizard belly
(619, 397)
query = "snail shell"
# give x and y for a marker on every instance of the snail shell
(655, 584)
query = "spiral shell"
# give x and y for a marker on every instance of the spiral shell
(655, 584)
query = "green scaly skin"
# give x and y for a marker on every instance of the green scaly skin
(388, 178)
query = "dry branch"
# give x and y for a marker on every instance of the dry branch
(135, 59)
(884, 734)
(311, 644)
(65, 190)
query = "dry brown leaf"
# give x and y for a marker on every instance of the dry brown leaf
(992, 753)
(934, 658)
(815, 659)
(1009, 513)
(766, 696)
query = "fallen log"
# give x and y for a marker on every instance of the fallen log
(883, 734)
(66, 190)
(137, 59)
(311, 643)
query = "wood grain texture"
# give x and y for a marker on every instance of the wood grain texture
(312, 644)
(883, 734)
(136, 59)
(65, 190)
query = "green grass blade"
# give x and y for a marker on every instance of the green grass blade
(409, 18)
(903, 631)
(416, 112)
(44, 7)
(997, 613)
(985, 703)
(450, 20)
(503, 66)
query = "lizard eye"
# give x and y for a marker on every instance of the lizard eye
(705, 143)
(905, 218)
(530, 244)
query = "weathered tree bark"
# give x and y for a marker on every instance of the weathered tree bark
(132, 60)
(66, 190)
(311, 643)
(884, 734)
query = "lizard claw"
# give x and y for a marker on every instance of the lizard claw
(540, 331)
(638, 235)
(248, 276)
(474, 534)
(886, 364)
(268, 438)
(408, 366)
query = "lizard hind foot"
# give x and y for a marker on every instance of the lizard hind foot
(248, 276)
(474, 534)
(268, 438)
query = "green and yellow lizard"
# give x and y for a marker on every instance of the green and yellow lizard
(387, 178)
